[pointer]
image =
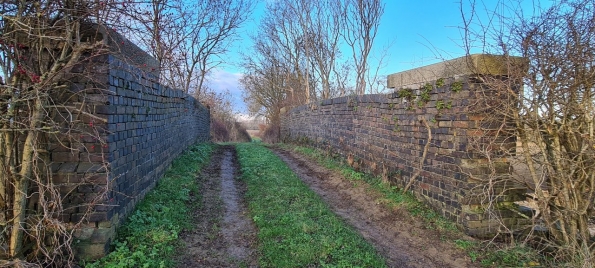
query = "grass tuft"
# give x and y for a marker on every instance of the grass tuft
(509, 256)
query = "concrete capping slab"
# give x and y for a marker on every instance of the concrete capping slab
(475, 64)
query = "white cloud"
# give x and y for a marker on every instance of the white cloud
(244, 117)
(220, 80)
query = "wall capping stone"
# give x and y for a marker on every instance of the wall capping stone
(475, 64)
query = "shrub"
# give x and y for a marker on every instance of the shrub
(271, 134)
(240, 134)
(219, 132)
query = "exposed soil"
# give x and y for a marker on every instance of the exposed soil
(402, 240)
(224, 236)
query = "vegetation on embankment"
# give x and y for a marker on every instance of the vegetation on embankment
(486, 254)
(393, 194)
(150, 235)
(296, 228)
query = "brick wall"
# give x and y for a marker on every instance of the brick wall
(386, 135)
(120, 130)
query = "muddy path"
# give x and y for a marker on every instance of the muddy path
(403, 241)
(224, 236)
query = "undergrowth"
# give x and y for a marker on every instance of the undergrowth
(296, 228)
(149, 237)
(486, 254)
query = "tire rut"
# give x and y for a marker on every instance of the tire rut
(401, 240)
(223, 236)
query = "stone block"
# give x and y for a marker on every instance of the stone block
(482, 64)
(68, 167)
(103, 235)
(105, 109)
(84, 233)
(89, 251)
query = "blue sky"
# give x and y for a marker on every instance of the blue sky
(421, 33)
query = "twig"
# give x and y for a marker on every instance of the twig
(423, 156)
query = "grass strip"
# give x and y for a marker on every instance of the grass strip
(149, 237)
(492, 255)
(392, 194)
(296, 228)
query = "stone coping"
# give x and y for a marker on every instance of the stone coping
(475, 64)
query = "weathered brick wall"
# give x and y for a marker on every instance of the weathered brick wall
(120, 130)
(386, 134)
(149, 126)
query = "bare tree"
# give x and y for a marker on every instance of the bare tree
(188, 38)
(552, 114)
(308, 33)
(160, 27)
(214, 27)
(361, 19)
(322, 29)
(281, 31)
(266, 85)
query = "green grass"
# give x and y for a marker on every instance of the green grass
(510, 256)
(507, 256)
(491, 255)
(393, 195)
(295, 227)
(149, 237)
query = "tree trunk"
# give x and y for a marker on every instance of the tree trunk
(22, 180)
(3, 179)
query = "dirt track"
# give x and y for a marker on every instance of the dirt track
(401, 240)
(225, 236)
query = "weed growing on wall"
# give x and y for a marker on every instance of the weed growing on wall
(443, 105)
(440, 82)
(456, 86)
